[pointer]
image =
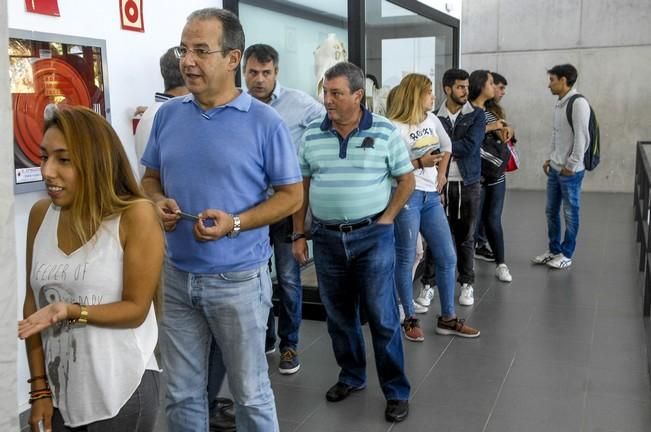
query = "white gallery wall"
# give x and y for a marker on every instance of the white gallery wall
(133, 77)
(609, 41)
(9, 292)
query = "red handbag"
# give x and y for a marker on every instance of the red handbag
(514, 159)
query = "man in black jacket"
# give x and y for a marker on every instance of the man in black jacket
(466, 126)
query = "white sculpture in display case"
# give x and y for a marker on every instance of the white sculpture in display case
(329, 52)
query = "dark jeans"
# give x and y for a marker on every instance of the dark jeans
(357, 269)
(565, 190)
(290, 292)
(137, 415)
(490, 209)
(463, 213)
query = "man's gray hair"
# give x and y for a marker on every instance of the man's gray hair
(355, 75)
(171, 70)
(232, 32)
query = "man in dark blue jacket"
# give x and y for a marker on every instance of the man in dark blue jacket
(466, 126)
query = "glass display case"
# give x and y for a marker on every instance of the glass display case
(386, 38)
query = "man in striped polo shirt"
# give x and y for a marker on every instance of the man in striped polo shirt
(349, 162)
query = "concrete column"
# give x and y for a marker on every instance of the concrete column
(8, 293)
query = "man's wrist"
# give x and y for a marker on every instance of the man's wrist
(297, 236)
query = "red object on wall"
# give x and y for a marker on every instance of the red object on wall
(45, 7)
(131, 15)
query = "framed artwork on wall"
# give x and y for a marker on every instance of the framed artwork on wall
(47, 70)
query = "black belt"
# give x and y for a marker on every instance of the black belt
(348, 227)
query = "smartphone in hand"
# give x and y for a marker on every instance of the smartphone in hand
(188, 216)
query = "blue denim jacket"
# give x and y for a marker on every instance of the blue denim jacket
(467, 135)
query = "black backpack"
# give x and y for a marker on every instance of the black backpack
(593, 149)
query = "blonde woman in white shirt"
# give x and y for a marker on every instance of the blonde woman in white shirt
(430, 148)
(94, 255)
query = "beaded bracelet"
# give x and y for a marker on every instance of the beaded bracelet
(45, 396)
(44, 393)
(36, 378)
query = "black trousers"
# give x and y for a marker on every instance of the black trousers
(462, 207)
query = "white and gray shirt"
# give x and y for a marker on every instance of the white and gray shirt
(567, 147)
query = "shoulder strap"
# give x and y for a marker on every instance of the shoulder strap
(568, 110)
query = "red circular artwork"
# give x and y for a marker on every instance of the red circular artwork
(55, 81)
(131, 11)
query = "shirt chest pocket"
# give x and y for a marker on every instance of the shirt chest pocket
(367, 158)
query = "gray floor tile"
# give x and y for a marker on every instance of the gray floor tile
(547, 377)
(356, 413)
(287, 426)
(620, 383)
(618, 354)
(432, 417)
(527, 409)
(607, 413)
(295, 404)
(318, 367)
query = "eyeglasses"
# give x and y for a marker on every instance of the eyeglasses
(200, 53)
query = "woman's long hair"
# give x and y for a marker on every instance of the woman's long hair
(476, 83)
(106, 185)
(407, 102)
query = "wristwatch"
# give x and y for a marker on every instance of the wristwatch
(236, 227)
(295, 236)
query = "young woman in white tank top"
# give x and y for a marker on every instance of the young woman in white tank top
(94, 256)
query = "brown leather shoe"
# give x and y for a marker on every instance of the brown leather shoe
(456, 327)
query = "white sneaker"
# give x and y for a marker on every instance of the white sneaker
(426, 295)
(419, 309)
(466, 298)
(560, 261)
(543, 258)
(401, 311)
(503, 274)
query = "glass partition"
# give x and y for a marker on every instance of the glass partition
(398, 42)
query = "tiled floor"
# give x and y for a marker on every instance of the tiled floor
(559, 350)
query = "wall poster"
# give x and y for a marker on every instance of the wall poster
(49, 69)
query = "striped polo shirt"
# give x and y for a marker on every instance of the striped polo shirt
(350, 178)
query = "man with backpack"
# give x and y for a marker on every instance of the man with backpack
(575, 134)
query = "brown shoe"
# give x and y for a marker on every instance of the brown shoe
(412, 330)
(455, 327)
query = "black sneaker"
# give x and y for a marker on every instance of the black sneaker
(483, 253)
(289, 363)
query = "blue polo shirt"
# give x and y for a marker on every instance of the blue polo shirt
(224, 158)
(350, 177)
(297, 108)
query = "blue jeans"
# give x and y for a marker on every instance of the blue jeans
(232, 308)
(424, 212)
(564, 190)
(290, 292)
(490, 210)
(357, 269)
